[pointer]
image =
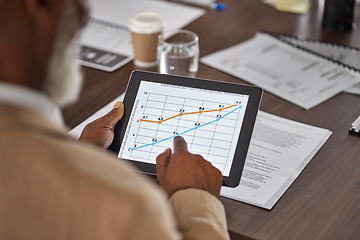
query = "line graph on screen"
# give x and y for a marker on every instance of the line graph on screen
(210, 123)
(197, 124)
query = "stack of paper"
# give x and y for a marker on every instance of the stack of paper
(344, 54)
(296, 75)
(279, 150)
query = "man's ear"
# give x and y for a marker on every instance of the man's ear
(41, 8)
(40, 22)
(43, 17)
(31, 6)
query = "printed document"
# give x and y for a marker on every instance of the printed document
(279, 150)
(354, 89)
(284, 70)
(347, 55)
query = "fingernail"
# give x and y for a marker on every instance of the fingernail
(117, 105)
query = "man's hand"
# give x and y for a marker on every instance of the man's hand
(101, 131)
(181, 170)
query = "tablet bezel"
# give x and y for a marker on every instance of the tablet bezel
(254, 93)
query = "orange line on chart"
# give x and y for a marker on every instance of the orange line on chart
(182, 114)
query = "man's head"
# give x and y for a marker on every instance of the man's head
(38, 45)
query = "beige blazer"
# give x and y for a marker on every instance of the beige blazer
(54, 187)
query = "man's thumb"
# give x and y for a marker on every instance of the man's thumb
(118, 105)
(113, 117)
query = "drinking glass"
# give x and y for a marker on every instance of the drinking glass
(178, 53)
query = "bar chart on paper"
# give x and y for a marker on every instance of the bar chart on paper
(210, 121)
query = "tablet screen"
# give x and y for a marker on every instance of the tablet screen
(209, 120)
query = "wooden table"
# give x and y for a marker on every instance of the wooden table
(324, 201)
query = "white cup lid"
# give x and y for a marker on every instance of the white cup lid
(146, 22)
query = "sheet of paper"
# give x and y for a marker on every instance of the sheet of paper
(354, 89)
(76, 132)
(293, 74)
(279, 150)
(119, 11)
(346, 55)
(106, 41)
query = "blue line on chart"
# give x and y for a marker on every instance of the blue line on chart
(192, 129)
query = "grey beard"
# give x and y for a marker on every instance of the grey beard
(64, 78)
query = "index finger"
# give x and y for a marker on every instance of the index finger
(180, 144)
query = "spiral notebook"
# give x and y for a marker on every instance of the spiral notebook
(106, 41)
(105, 45)
(349, 56)
(295, 73)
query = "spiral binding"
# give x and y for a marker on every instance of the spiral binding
(278, 36)
(108, 24)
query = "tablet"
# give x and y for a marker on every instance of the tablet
(215, 118)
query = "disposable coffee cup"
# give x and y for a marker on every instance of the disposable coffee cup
(145, 27)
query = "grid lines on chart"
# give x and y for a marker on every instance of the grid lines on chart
(207, 126)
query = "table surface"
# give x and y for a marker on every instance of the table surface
(324, 201)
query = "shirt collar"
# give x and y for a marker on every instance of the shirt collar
(29, 98)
